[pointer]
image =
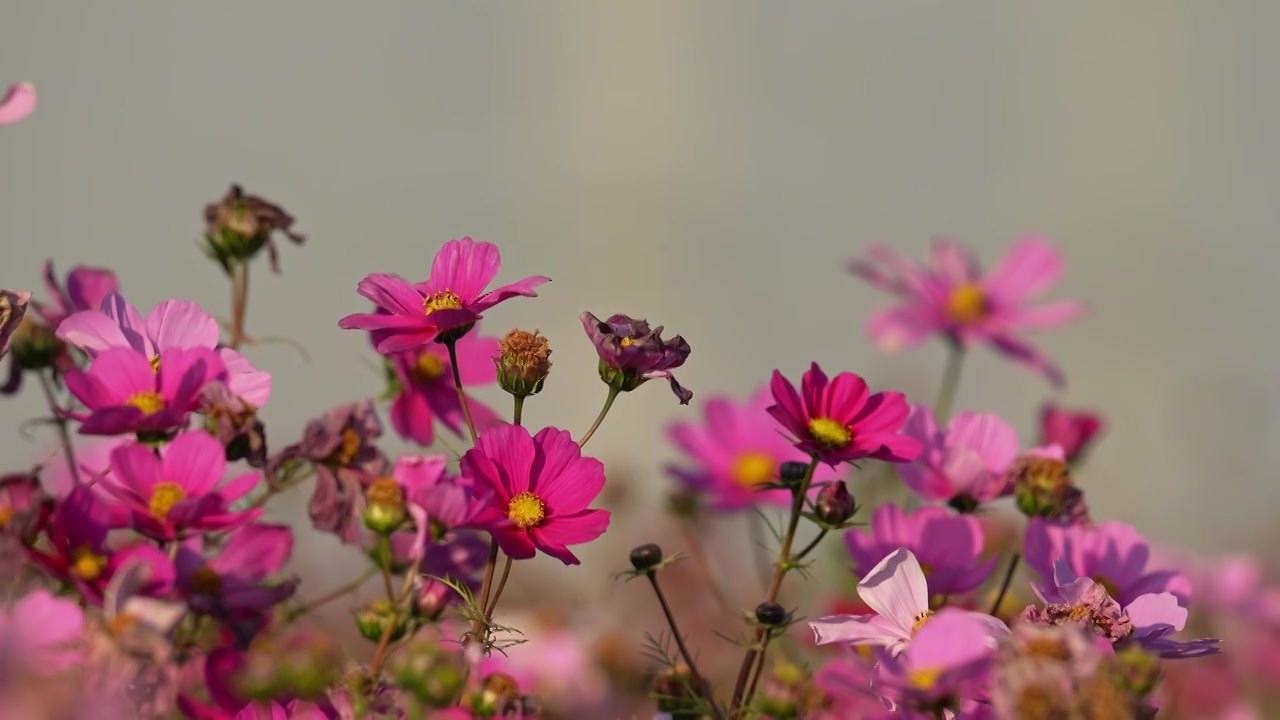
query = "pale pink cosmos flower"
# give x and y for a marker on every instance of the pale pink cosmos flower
(953, 298)
(897, 591)
(41, 632)
(17, 103)
(947, 664)
(1113, 554)
(173, 324)
(963, 464)
(947, 546)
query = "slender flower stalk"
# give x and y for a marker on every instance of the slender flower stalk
(698, 682)
(59, 419)
(239, 303)
(1004, 584)
(608, 403)
(452, 345)
(950, 382)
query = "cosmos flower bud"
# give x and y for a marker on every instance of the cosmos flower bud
(34, 346)
(13, 306)
(430, 672)
(372, 621)
(835, 505)
(792, 473)
(1042, 487)
(646, 557)
(385, 509)
(523, 362)
(238, 226)
(771, 614)
(498, 693)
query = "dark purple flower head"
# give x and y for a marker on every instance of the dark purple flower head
(13, 306)
(235, 423)
(236, 580)
(631, 353)
(240, 225)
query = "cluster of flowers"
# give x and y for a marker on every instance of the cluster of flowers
(147, 584)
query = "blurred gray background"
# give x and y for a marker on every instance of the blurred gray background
(709, 166)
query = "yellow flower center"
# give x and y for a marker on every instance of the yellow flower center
(121, 623)
(6, 515)
(443, 300)
(86, 564)
(753, 468)
(163, 498)
(924, 678)
(205, 581)
(967, 303)
(1107, 585)
(348, 448)
(926, 568)
(829, 434)
(626, 342)
(526, 510)
(427, 367)
(149, 402)
(921, 618)
(155, 364)
(1079, 613)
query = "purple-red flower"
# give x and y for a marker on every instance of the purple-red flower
(171, 325)
(951, 297)
(235, 580)
(442, 308)
(178, 493)
(838, 420)
(1112, 554)
(632, 353)
(40, 632)
(1072, 430)
(736, 451)
(86, 287)
(963, 464)
(542, 486)
(948, 547)
(126, 393)
(17, 103)
(426, 392)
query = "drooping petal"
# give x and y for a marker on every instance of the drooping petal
(896, 589)
(788, 409)
(1023, 352)
(181, 324)
(520, 288)
(255, 552)
(17, 103)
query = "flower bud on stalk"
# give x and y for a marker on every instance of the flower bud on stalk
(385, 509)
(835, 505)
(523, 362)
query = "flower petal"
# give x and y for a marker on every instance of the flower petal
(896, 589)
(392, 293)
(1030, 267)
(196, 461)
(17, 103)
(126, 316)
(465, 267)
(92, 331)
(181, 324)
(855, 630)
(576, 529)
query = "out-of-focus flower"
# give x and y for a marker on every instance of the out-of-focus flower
(171, 325)
(1043, 488)
(954, 299)
(235, 580)
(838, 421)
(234, 422)
(425, 392)
(897, 591)
(1113, 554)
(178, 493)
(948, 547)
(126, 394)
(13, 307)
(736, 450)
(18, 102)
(77, 552)
(444, 307)
(965, 463)
(1040, 670)
(86, 287)
(1072, 430)
(523, 362)
(40, 632)
(542, 486)
(631, 353)
(239, 225)
(944, 667)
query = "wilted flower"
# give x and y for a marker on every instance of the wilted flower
(17, 103)
(425, 392)
(1043, 488)
(631, 353)
(952, 298)
(13, 306)
(441, 309)
(839, 421)
(1072, 430)
(235, 580)
(125, 393)
(948, 547)
(234, 421)
(523, 362)
(239, 225)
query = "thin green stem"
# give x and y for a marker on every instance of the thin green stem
(452, 346)
(1004, 586)
(517, 412)
(608, 403)
(334, 594)
(809, 548)
(502, 584)
(68, 451)
(387, 583)
(239, 302)
(950, 382)
(698, 683)
(478, 625)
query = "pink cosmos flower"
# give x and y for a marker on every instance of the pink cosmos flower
(543, 486)
(839, 421)
(127, 394)
(735, 451)
(964, 464)
(426, 392)
(40, 631)
(946, 664)
(17, 103)
(898, 593)
(445, 306)
(953, 298)
(178, 493)
(93, 456)
(1072, 430)
(947, 546)
(171, 325)
(77, 552)
(234, 581)
(1113, 554)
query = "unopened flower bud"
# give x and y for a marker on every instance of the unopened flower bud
(835, 505)
(385, 506)
(34, 346)
(792, 473)
(430, 672)
(1042, 487)
(645, 557)
(432, 598)
(523, 362)
(498, 692)
(13, 307)
(771, 614)
(372, 622)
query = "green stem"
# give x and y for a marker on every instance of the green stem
(1004, 586)
(698, 683)
(809, 548)
(497, 593)
(950, 383)
(517, 412)
(452, 346)
(68, 451)
(608, 403)
(335, 593)
(478, 625)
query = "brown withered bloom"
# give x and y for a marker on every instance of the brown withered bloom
(1043, 487)
(239, 225)
(235, 423)
(13, 305)
(523, 362)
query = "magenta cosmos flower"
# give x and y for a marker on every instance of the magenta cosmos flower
(1072, 430)
(17, 103)
(171, 325)
(444, 307)
(948, 547)
(897, 591)
(125, 392)
(543, 486)
(425, 392)
(963, 464)
(178, 493)
(735, 451)
(235, 580)
(1112, 554)
(41, 632)
(839, 421)
(951, 297)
